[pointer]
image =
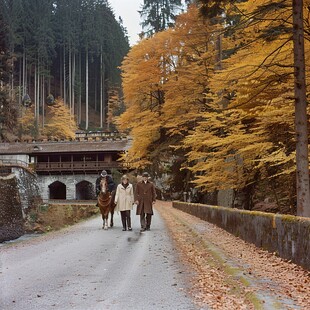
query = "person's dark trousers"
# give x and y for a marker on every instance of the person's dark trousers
(145, 221)
(123, 217)
(128, 218)
(148, 221)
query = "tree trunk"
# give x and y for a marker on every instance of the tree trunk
(60, 78)
(73, 85)
(70, 79)
(80, 91)
(20, 95)
(64, 76)
(302, 161)
(24, 75)
(101, 90)
(86, 101)
(42, 99)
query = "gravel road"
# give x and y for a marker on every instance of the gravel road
(84, 267)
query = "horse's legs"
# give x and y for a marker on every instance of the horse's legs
(103, 221)
(106, 221)
(111, 222)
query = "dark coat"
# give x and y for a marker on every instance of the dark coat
(145, 194)
(111, 184)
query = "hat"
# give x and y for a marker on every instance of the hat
(145, 174)
(103, 173)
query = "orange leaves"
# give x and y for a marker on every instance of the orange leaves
(164, 83)
(223, 101)
(60, 123)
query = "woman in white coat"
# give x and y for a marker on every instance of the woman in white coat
(124, 200)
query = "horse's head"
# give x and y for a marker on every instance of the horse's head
(103, 186)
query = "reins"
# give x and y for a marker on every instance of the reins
(101, 199)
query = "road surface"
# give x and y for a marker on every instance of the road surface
(84, 267)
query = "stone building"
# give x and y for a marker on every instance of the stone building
(67, 169)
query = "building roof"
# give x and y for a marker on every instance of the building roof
(41, 147)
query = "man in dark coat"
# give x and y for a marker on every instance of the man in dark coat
(145, 197)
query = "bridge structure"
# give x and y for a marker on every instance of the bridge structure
(67, 169)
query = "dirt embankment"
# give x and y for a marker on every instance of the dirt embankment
(49, 217)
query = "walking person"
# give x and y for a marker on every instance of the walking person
(124, 199)
(145, 197)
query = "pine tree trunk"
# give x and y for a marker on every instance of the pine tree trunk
(102, 94)
(64, 75)
(101, 90)
(86, 101)
(80, 91)
(60, 78)
(42, 100)
(24, 74)
(20, 82)
(302, 161)
(70, 79)
(73, 85)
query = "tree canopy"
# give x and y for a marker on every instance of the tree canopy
(71, 49)
(217, 94)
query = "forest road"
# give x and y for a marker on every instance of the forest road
(85, 267)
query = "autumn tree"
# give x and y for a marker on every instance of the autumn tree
(59, 122)
(277, 26)
(142, 83)
(28, 126)
(233, 123)
(164, 83)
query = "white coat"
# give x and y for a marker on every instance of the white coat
(124, 197)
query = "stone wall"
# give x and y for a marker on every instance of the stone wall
(11, 216)
(29, 190)
(70, 181)
(287, 236)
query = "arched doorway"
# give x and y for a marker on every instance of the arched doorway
(84, 190)
(57, 190)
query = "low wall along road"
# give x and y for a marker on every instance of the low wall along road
(287, 236)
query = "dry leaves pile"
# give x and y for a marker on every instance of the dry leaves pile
(230, 273)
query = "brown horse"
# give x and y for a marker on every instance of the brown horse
(106, 204)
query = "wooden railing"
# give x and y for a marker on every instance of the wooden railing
(75, 166)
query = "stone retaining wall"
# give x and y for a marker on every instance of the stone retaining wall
(286, 235)
(11, 216)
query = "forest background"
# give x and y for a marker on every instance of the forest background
(59, 62)
(208, 96)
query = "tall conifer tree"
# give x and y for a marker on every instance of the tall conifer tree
(158, 15)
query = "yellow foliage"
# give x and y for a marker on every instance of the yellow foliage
(233, 118)
(27, 123)
(59, 123)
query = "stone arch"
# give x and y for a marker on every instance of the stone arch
(84, 190)
(57, 190)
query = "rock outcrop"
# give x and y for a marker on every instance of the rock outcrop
(11, 215)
